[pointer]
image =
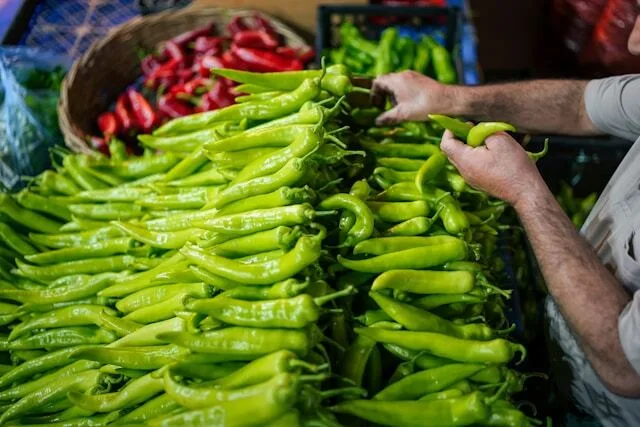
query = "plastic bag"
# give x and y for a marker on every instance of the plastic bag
(29, 89)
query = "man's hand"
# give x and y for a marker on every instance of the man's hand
(415, 96)
(501, 167)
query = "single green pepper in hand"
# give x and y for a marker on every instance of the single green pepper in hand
(482, 131)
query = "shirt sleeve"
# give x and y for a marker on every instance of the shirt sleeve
(613, 105)
(629, 330)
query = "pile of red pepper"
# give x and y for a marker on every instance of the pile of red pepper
(177, 80)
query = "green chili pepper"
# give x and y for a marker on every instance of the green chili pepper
(303, 140)
(149, 357)
(465, 410)
(266, 405)
(99, 249)
(52, 392)
(286, 289)
(430, 169)
(442, 63)
(459, 128)
(429, 302)
(383, 63)
(66, 240)
(362, 228)
(423, 57)
(416, 319)
(63, 337)
(84, 266)
(238, 159)
(305, 252)
(291, 173)
(430, 381)
(411, 151)
(156, 294)
(36, 202)
(84, 180)
(136, 391)
(77, 315)
(15, 241)
(259, 219)
(385, 245)
(163, 240)
(482, 131)
(166, 308)
(400, 163)
(258, 96)
(26, 217)
(147, 334)
(285, 81)
(398, 211)
(295, 312)
(107, 211)
(236, 341)
(192, 141)
(264, 369)
(416, 258)
(155, 407)
(58, 183)
(263, 110)
(495, 351)
(426, 282)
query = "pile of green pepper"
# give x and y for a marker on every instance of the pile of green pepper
(267, 267)
(392, 52)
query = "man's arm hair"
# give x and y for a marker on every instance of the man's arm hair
(539, 106)
(588, 295)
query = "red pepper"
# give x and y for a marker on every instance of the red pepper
(185, 75)
(164, 72)
(264, 61)
(149, 64)
(287, 51)
(230, 61)
(206, 63)
(264, 25)
(108, 124)
(189, 36)
(206, 44)
(145, 115)
(172, 107)
(123, 113)
(236, 25)
(221, 94)
(191, 87)
(256, 39)
(172, 51)
(307, 55)
(99, 144)
(207, 103)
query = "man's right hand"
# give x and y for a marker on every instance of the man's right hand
(415, 96)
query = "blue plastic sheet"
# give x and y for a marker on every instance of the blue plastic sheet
(28, 120)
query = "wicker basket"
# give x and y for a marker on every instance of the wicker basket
(111, 64)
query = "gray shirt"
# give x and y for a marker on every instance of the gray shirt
(613, 229)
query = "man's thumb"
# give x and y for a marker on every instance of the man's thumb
(454, 149)
(389, 117)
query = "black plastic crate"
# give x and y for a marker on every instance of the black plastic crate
(373, 19)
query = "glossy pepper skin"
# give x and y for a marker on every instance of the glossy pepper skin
(465, 410)
(494, 351)
(292, 313)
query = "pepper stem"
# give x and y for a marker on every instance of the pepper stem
(297, 363)
(343, 128)
(482, 281)
(336, 141)
(325, 213)
(506, 331)
(501, 391)
(342, 391)
(349, 290)
(523, 353)
(359, 89)
(540, 154)
(314, 378)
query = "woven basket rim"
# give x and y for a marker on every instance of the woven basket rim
(73, 136)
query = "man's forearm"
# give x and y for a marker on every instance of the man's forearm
(588, 295)
(539, 106)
